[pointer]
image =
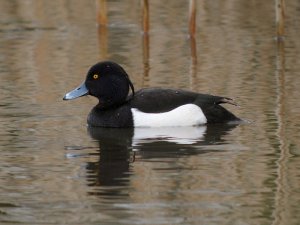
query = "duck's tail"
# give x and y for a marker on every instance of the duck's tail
(227, 100)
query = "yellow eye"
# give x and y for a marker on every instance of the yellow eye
(95, 76)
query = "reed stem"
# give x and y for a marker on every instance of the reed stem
(192, 18)
(101, 12)
(145, 15)
(280, 17)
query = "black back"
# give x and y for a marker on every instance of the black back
(156, 100)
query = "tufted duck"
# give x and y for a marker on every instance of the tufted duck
(149, 107)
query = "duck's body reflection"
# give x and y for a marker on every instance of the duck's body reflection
(119, 148)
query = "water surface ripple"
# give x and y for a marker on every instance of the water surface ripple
(56, 170)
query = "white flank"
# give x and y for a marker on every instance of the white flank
(185, 115)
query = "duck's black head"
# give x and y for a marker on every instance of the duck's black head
(107, 81)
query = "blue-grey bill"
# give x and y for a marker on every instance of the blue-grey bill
(77, 92)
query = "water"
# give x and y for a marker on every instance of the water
(54, 170)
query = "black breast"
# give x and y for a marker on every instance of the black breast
(114, 117)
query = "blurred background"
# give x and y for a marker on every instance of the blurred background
(53, 170)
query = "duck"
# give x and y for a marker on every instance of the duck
(121, 106)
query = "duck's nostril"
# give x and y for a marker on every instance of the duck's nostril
(78, 88)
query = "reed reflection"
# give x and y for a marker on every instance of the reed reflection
(119, 149)
(283, 186)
